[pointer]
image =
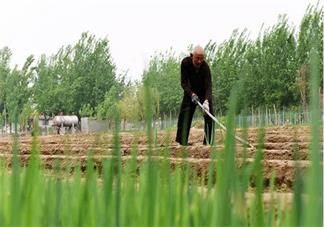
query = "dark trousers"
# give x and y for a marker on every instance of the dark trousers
(187, 111)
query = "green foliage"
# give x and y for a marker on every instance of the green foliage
(267, 67)
(108, 108)
(154, 191)
(76, 76)
(271, 68)
(18, 90)
(128, 105)
(310, 32)
(164, 73)
(86, 111)
(154, 99)
(26, 114)
(45, 94)
(226, 66)
(274, 69)
(5, 55)
(314, 188)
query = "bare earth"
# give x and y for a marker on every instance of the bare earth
(281, 144)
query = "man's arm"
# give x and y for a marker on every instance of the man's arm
(208, 85)
(185, 83)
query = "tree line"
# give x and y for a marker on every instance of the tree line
(272, 70)
(81, 79)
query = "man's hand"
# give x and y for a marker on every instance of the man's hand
(206, 105)
(194, 98)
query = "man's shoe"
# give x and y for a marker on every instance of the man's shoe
(187, 144)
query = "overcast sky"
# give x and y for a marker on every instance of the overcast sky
(135, 29)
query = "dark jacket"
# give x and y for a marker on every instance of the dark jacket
(196, 81)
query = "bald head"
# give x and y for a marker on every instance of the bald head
(198, 50)
(198, 55)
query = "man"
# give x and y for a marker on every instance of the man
(197, 86)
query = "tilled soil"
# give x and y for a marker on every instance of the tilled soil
(282, 150)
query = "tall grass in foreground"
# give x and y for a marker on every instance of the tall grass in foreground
(154, 192)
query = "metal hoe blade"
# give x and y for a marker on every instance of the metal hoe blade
(223, 127)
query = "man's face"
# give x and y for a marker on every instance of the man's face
(197, 59)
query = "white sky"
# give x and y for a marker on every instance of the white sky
(136, 29)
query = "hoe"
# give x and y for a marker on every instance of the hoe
(223, 127)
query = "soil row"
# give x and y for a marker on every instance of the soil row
(284, 170)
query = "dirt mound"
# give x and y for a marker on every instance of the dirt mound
(282, 147)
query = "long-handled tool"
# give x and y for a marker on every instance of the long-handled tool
(223, 127)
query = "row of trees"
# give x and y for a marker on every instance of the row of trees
(272, 70)
(75, 79)
(81, 79)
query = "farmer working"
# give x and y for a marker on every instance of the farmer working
(197, 86)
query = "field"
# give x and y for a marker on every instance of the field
(283, 148)
(142, 177)
(131, 178)
(280, 145)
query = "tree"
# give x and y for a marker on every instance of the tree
(86, 111)
(164, 74)
(76, 76)
(46, 85)
(18, 89)
(310, 35)
(226, 68)
(108, 108)
(26, 113)
(154, 101)
(128, 107)
(5, 55)
(271, 78)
